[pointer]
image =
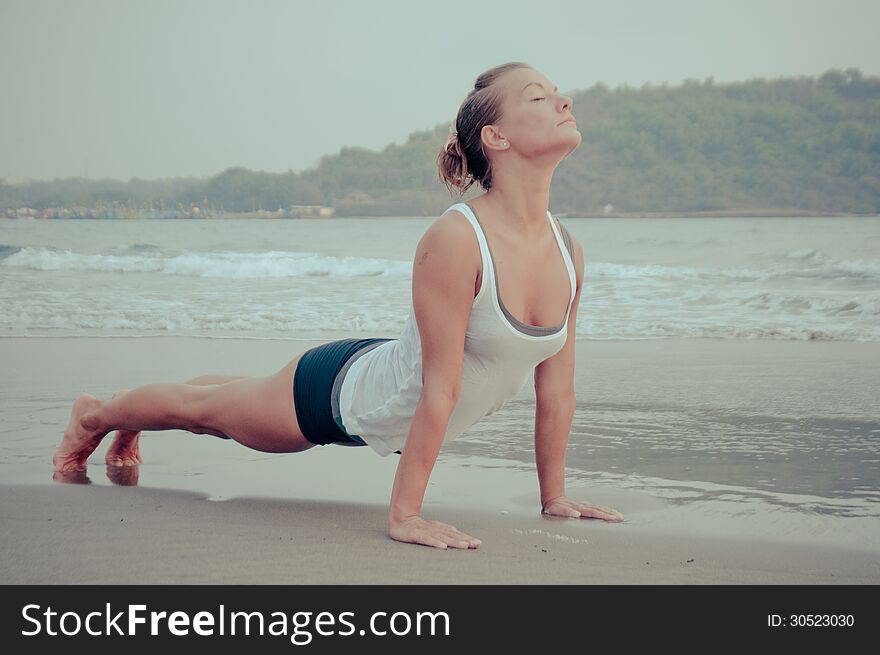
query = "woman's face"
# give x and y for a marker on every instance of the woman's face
(536, 119)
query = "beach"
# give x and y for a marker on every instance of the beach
(725, 376)
(92, 535)
(205, 510)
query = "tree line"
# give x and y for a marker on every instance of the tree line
(804, 143)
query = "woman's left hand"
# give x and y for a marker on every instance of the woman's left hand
(562, 506)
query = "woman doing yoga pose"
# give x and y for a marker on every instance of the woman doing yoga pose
(495, 290)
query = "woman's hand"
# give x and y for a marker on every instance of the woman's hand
(416, 530)
(562, 506)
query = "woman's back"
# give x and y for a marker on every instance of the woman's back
(382, 384)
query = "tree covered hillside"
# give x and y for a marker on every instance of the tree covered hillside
(804, 143)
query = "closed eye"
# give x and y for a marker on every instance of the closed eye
(537, 99)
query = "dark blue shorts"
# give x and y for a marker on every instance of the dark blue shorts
(316, 385)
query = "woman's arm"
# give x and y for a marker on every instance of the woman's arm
(555, 400)
(445, 269)
(554, 410)
(418, 457)
(553, 416)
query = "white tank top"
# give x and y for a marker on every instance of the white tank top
(382, 386)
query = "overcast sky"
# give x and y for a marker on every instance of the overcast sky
(155, 88)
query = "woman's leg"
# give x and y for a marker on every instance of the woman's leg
(125, 448)
(257, 412)
(215, 379)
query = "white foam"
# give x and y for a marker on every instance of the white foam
(801, 295)
(553, 535)
(222, 264)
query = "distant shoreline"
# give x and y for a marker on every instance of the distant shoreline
(724, 213)
(720, 213)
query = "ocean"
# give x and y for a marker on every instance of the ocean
(727, 367)
(742, 278)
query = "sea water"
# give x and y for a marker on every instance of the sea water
(727, 367)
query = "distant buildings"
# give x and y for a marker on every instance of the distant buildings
(292, 211)
(298, 211)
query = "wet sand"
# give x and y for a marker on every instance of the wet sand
(205, 510)
(89, 534)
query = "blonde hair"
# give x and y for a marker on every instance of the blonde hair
(462, 160)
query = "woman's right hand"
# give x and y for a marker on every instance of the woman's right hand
(416, 530)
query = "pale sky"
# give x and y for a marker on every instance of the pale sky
(155, 88)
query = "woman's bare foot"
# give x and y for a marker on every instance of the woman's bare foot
(71, 477)
(125, 449)
(81, 437)
(124, 476)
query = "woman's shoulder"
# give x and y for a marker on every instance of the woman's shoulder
(452, 229)
(575, 250)
(448, 252)
(455, 215)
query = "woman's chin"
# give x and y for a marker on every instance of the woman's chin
(573, 144)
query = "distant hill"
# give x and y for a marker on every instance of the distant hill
(803, 143)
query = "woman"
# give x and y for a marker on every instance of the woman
(462, 353)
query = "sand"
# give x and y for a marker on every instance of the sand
(88, 534)
(211, 511)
